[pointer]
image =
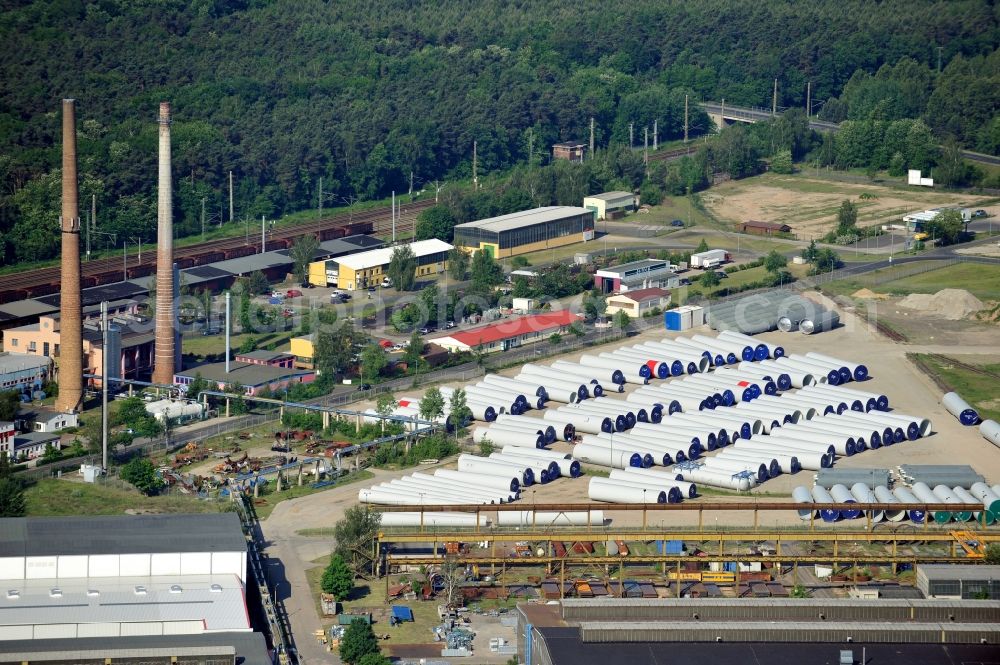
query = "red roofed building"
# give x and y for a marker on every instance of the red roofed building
(509, 333)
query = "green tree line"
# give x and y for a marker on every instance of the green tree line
(284, 93)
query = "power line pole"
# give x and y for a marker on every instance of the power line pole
(531, 145)
(475, 156)
(808, 99)
(722, 115)
(104, 385)
(645, 147)
(320, 198)
(230, 198)
(656, 132)
(394, 217)
(263, 235)
(411, 185)
(631, 137)
(774, 99)
(591, 137)
(203, 218)
(939, 59)
(685, 118)
(92, 224)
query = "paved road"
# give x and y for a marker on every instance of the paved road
(290, 555)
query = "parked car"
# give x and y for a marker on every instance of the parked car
(364, 386)
(287, 313)
(293, 293)
(449, 325)
(677, 222)
(210, 331)
(685, 281)
(277, 294)
(722, 274)
(979, 213)
(426, 330)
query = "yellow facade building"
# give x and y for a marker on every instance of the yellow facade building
(364, 269)
(526, 231)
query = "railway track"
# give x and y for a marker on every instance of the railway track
(949, 360)
(45, 281)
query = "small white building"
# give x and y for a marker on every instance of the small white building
(637, 303)
(523, 305)
(611, 205)
(47, 420)
(915, 221)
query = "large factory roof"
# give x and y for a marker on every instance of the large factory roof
(249, 648)
(215, 601)
(382, 256)
(565, 647)
(120, 534)
(517, 220)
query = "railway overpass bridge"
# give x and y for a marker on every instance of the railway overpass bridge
(723, 115)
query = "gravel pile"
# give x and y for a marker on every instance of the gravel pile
(951, 304)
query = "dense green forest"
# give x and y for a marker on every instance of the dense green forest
(368, 95)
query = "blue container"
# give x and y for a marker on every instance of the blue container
(672, 320)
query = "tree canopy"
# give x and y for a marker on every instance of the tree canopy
(376, 101)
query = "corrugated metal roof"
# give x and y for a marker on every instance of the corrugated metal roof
(22, 308)
(610, 196)
(121, 534)
(382, 256)
(12, 362)
(244, 374)
(115, 600)
(251, 648)
(942, 571)
(517, 220)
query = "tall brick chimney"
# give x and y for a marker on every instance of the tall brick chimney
(71, 322)
(163, 368)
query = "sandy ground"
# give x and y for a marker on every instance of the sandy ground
(813, 213)
(985, 249)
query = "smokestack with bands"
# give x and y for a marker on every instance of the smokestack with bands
(71, 321)
(163, 368)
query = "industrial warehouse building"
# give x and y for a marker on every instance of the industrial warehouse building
(644, 274)
(125, 587)
(958, 582)
(364, 269)
(23, 372)
(130, 344)
(753, 631)
(251, 378)
(526, 231)
(510, 332)
(611, 205)
(334, 249)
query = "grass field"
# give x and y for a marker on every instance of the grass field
(202, 345)
(52, 497)
(981, 280)
(978, 388)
